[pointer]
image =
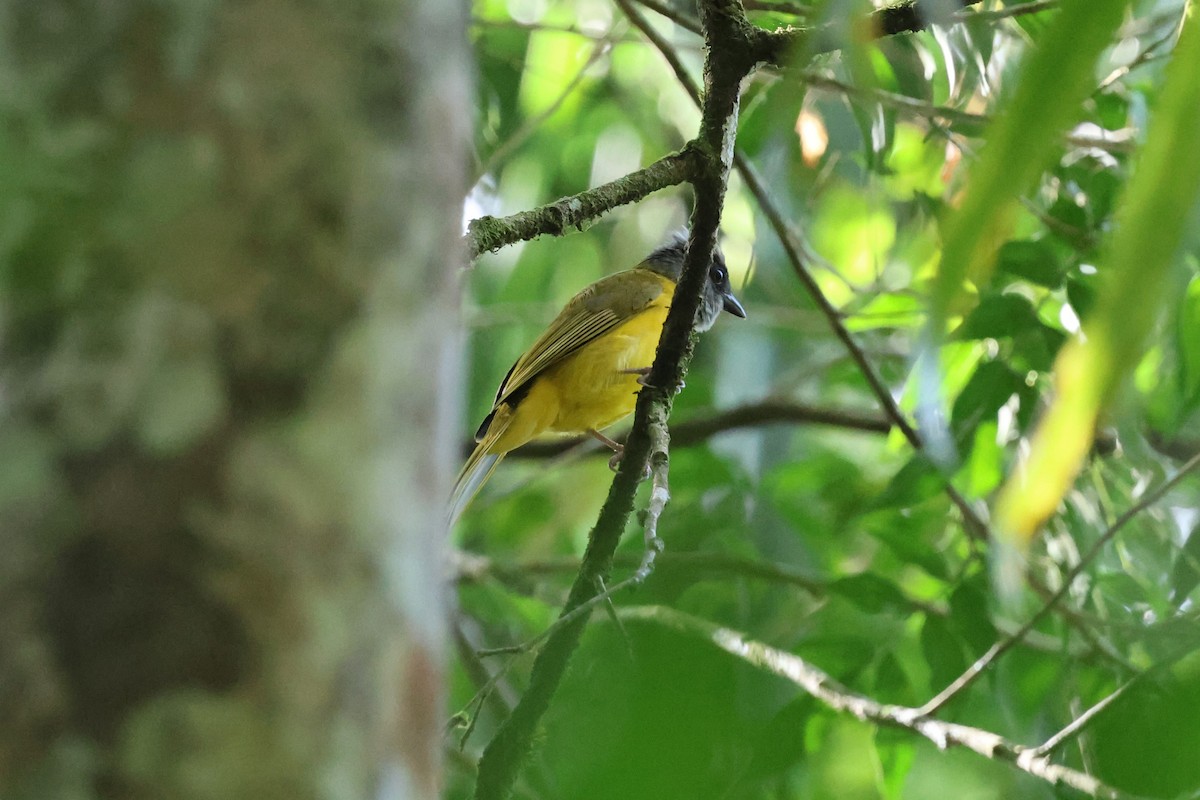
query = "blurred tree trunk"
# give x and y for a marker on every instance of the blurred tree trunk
(228, 244)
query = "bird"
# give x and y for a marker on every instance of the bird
(584, 372)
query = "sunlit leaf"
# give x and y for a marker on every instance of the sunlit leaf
(1090, 369)
(1054, 80)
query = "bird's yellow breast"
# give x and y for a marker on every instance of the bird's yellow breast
(590, 389)
(595, 386)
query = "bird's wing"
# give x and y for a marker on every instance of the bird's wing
(596, 310)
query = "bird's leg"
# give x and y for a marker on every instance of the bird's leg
(617, 448)
(643, 373)
(618, 452)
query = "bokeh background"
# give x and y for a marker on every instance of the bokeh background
(835, 539)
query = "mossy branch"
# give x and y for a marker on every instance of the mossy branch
(488, 234)
(728, 61)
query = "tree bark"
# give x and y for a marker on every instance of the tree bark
(229, 241)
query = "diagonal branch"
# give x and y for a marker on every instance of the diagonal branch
(487, 233)
(888, 21)
(751, 415)
(973, 523)
(1085, 719)
(1118, 141)
(697, 430)
(779, 47)
(685, 21)
(825, 689)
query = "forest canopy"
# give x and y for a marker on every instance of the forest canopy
(958, 423)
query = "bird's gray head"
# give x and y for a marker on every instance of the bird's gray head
(668, 261)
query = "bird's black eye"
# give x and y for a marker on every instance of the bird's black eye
(718, 275)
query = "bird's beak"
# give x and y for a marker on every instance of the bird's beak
(733, 306)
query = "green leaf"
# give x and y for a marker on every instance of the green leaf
(998, 316)
(1054, 80)
(1188, 343)
(1081, 292)
(918, 480)
(885, 311)
(1186, 573)
(981, 399)
(969, 617)
(904, 533)
(1033, 260)
(943, 652)
(781, 744)
(1036, 347)
(869, 592)
(1112, 109)
(983, 466)
(1146, 742)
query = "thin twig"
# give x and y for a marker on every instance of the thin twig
(778, 47)
(470, 712)
(700, 429)
(682, 20)
(1021, 10)
(824, 688)
(1004, 645)
(1083, 720)
(973, 523)
(822, 81)
(1121, 141)
(1149, 53)
(549, 27)
(472, 567)
(664, 47)
(793, 9)
(487, 683)
(534, 123)
(792, 244)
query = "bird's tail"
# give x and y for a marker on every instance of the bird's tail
(475, 473)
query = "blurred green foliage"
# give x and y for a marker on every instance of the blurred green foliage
(868, 152)
(182, 393)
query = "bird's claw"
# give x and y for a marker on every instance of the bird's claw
(643, 374)
(615, 462)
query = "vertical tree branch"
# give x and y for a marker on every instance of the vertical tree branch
(727, 61)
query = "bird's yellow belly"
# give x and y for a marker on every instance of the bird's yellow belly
(593, 390)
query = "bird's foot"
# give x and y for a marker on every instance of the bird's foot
(643, 373)
(618, 452)
(615, 462)
(617, 448)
